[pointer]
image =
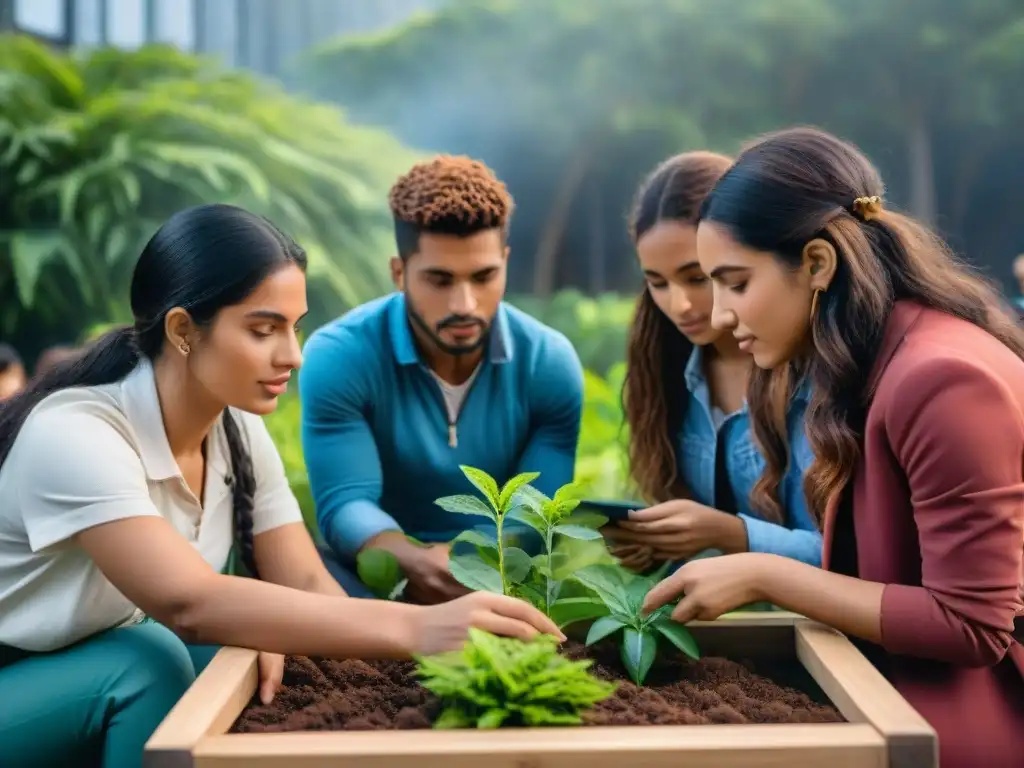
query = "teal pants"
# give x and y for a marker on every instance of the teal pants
(95, 703)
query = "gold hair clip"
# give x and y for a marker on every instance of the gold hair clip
(868, 208)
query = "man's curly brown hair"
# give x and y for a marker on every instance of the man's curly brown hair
(452, 195)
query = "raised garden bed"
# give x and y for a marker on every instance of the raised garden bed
(875, 727)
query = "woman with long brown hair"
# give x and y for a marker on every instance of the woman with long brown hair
(691, 448)
(917, 422)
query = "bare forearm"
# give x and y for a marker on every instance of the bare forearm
(853, 606)
(268, 617)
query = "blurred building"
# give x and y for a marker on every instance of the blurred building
(262, 35)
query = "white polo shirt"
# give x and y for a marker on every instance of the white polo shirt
(91, 455)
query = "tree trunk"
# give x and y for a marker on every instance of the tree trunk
(596, 250)
(922, 169)
(545, 260)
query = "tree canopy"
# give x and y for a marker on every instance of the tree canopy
(572, 102)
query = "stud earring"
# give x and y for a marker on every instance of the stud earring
(185, 348)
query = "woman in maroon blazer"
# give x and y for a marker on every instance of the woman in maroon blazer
(917, 423)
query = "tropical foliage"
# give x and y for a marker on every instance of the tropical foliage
(98, 148)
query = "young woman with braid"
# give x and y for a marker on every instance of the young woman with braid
(126, 476)
(917, 420)
(691, 448)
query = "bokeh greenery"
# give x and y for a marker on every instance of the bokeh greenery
(98, 148)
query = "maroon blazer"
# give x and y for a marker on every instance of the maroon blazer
(936, 512)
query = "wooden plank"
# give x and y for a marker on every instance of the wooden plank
(709, 746)
(210, 706)
(863, 695)
(747, 637)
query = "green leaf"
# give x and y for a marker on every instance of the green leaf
(586, 519)
(498, 681)
(378, 569)
(489, 555)
(513, 485)
(573, 555)
(569, 493)
(492, 718)
(30, 252)
(569, 610)
(578, 532)
(530, 497)
(609, 583)
(476, 537)
(679, 636)
(525, 514)
(473, 573)
(638, 651)
(465, 505)
(451, 718)
(530, 594)
(488, 487)
(603, 627)
(517, 565)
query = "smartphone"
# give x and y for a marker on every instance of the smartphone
(613, 509)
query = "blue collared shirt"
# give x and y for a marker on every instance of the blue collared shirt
(375, 426)
(798, 537)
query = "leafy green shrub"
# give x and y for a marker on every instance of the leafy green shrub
(622, 594)
(495, 681)
(497, 566)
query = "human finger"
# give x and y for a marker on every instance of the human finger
(521, 610)
(504, 626)
(657, 512)
(271, 668)
(688, 609)
(665, 591)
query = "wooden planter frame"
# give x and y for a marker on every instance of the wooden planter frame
(883, 731)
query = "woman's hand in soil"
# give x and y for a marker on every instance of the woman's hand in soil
(680, 529)
(271, 667)
(711, 586)
(445, 627)
(430, 581)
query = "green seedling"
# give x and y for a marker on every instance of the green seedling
(558, 517)
(495, 567)
(496, 681)
(622, 594)
(570, 542)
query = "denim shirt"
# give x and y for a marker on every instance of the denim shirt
(798, 537)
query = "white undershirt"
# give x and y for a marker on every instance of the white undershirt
(454, 394)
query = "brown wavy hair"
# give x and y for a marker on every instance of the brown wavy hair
(798, 185)
(653, 395)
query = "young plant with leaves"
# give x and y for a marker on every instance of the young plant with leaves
(495, 681)
(551, 517)
(497, 565)
(622, 593)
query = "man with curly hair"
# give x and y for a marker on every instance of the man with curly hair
(399, 392)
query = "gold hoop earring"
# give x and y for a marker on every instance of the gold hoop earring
(185, 348)
(814, 303)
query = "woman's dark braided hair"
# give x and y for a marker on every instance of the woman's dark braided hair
(202, 259)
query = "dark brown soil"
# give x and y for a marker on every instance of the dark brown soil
(324, 695)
